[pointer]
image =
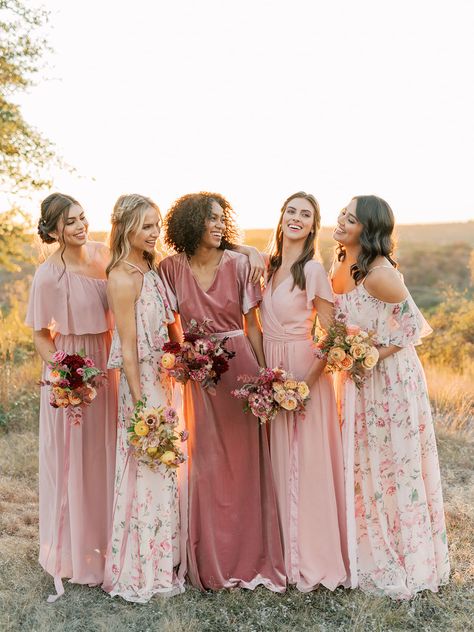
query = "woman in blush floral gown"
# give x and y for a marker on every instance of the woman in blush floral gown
(144, 550)
(306, 452)
(396, 526)
(68, 311)
(233, 537)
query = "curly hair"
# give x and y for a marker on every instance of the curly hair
(185, 222)
(376, 238)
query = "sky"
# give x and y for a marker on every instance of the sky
(257, 99)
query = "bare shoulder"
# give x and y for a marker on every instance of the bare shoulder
(123, 282)
(99, 250)
(386, 284)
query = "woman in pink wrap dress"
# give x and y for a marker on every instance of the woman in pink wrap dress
(306, 451)
(68, 311)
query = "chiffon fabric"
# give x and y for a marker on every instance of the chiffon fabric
(76, 462)
(144, 550)
(396, 526)
(233, 537)
(306, 451)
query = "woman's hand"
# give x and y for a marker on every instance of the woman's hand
(257, 263)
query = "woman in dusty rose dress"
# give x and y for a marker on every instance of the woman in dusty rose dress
(144, 550)
(396, 526)
(306, 452)
(68, 311)
(233, 538)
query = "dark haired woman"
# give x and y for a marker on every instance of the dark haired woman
(396, 527)
(233, 537)
(306, 453)
(68, 311)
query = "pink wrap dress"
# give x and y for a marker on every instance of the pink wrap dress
(76, 462)
(306, 453)
(233, 537)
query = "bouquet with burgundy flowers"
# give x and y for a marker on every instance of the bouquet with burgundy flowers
(201, 357)
(270, 391)
(73, 380)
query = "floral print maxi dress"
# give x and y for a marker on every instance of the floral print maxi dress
(144, 548)
(396, 526)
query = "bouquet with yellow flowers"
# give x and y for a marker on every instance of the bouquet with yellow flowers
(153, 435)
(270, 391)
(347, 348)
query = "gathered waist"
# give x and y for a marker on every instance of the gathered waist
(228, 334)
(286, 337)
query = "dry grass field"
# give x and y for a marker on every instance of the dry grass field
(24, 586)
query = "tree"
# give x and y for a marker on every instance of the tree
(24, 152)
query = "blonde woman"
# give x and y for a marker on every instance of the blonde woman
(144, 549)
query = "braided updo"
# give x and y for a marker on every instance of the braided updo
(53, 207)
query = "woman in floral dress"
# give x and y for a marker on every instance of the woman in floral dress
(144, 549)
(396, 527)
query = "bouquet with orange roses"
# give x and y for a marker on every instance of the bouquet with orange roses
(347, 348)
(270, 391)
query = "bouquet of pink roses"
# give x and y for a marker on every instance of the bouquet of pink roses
(270, 391)
(201, 357)
(347, 348)
(73, 379)
(153, 436)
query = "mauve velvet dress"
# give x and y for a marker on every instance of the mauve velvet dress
(76, 462)
(306, 452)
(233, 537)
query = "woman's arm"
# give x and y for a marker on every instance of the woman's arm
(44, 344)
(254, 334)
(123, 293)
(256, 260)
(325, 312)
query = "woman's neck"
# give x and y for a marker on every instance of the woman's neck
(206, 256)
(74, 255)
(136, 257)
(352, 253)
(291, 252)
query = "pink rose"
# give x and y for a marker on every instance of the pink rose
(88, 362)
(58, 356)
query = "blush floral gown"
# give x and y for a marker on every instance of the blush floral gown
(144, 550)
(396, 526)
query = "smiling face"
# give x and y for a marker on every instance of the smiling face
(73, 230)
(348, 229)
(298, 219)
(214, 227)
(144, 239)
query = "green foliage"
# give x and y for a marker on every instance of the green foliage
(14, 239)
(24, 152)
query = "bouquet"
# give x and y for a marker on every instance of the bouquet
(201, 357)
(73, 379)
(271, 391)
(347, 348)
(153, 437)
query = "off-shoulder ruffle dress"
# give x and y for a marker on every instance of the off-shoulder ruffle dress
(76, 462)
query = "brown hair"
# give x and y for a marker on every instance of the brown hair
(127, 217)
(376, 238)
(54, 207)
(185, 222)
(310, 246)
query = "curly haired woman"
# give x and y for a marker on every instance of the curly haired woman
(233, 537)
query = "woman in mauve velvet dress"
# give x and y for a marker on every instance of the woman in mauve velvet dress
(233, 536)
(68, 311)
(306, 452)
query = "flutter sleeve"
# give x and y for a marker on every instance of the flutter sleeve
(403, 326)
(46, 305)
(317, 283)
(167, 275)
(250, 293)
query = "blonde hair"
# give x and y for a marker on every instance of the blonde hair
(127, 217)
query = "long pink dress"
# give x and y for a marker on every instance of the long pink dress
(395, 518)
(306, 453)
(233, 536)
(76, 462)
(144, 548)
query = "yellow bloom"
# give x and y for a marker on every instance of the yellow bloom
(54, 376)
(152, 451)
(370, 359)
(141, 429)
(73, 399)
(290, 384)
(168, 360)
(279, 396)
(358, 351)
(347, 363)
(335, 355)
(278, 386)
(303, 390)
(349, 339)
(168, 457)
(289, 403)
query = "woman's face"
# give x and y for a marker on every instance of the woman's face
(72, 231)
(146, 237)
(348, 229)
(214, 227)
(298, 219)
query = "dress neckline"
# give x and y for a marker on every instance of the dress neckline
(215, 274)
(66, 271)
